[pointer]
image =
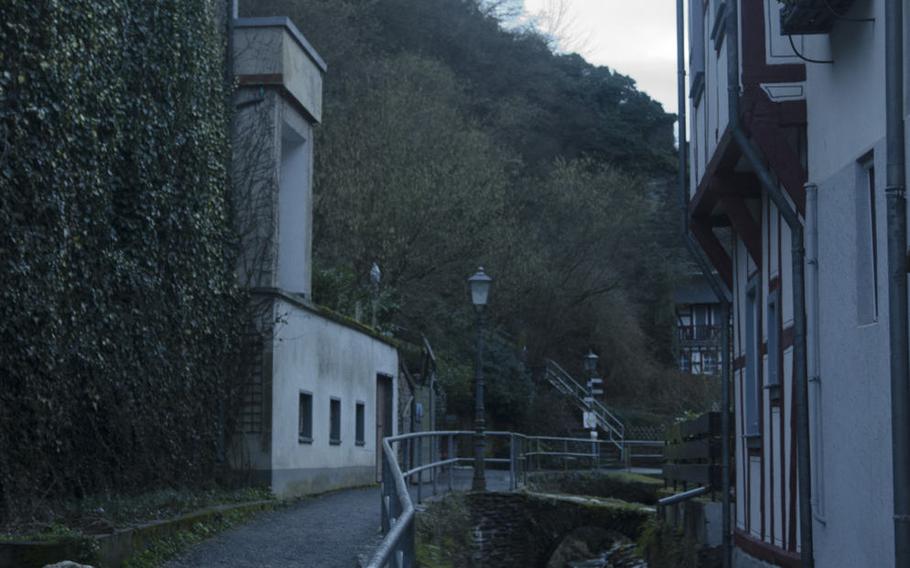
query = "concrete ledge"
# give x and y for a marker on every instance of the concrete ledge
(311, 481)
(326, 313)
(288, 25)
(271, 52)
(115, 548)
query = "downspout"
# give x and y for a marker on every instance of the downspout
(791, 218)
(897, 277)
(714, 280)
(813, 354)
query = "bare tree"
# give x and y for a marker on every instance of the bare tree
(562, 27)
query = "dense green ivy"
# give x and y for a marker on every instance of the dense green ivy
(118, 305)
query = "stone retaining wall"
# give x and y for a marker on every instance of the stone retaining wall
(524, 529)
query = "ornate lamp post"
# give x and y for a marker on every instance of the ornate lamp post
(480, 292)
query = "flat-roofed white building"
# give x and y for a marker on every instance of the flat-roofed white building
(322, 389)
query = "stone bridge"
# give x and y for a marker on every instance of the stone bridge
(528, 529)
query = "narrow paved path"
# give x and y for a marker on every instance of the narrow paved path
(329, 531)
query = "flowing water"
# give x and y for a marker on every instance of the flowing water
(620, 555)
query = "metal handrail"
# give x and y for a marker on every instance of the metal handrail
(397, 548)
(681, 497)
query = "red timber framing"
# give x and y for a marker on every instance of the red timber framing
(765, 120)
(771, 126)
(727, 194)
(764, 551)
(744, 224)
(713, 248)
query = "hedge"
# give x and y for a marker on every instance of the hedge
(118, 305)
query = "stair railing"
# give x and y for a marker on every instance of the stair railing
(566, 384)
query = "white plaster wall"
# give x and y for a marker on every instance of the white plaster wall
(846, 120)
(787, 377)
(855, 391)
(256, 148)
(295, 207)
(709, 119)
(327, 359)
(778, 50)
(846, 100)
(740, 277)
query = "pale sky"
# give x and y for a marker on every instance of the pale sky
(635, 37)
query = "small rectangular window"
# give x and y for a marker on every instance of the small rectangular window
(685, 363)
(360, 437)
(696, 363)
(753, 352)
(866, 244)
(710, 363)
(774, 345)
(305, 418)
(697, 39)
(334, 421)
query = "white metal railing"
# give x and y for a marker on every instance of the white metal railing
(566, 384)
(522, 454)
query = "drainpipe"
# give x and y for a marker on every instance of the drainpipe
(715, 282)
(813, 353)
(791, 217)
(897, 277)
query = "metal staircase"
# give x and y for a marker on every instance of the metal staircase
(607, 422)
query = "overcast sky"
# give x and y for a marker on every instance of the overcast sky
(635, 37)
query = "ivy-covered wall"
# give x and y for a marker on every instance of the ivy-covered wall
(118, 304)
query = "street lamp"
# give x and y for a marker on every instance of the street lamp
(480, 292)
(375, 280)
(591, 362)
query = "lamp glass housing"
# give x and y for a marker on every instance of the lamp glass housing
(591, 361)
(480, 287)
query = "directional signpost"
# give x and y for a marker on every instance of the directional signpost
(590, 417)
(594, 386)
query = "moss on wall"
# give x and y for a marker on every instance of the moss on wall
(118, 309)
(516, 529)
(629, 487)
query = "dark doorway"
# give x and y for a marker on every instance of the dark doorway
(385, 418)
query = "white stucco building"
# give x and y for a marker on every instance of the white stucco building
(323, 389)
(819, 128)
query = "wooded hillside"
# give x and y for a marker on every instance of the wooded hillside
(453, 138)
